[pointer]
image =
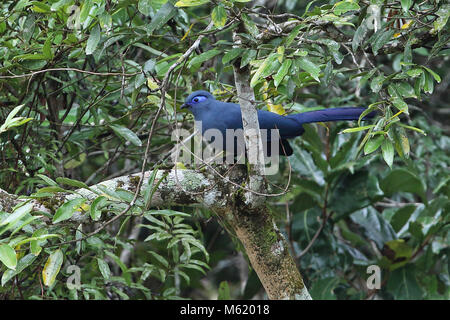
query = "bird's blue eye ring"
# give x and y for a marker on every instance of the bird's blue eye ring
(198, 99)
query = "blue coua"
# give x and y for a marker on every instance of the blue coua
(214, 114)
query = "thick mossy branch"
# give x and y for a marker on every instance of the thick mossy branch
(255, 227)
(267, 250)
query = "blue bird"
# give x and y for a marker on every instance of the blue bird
(214, 114)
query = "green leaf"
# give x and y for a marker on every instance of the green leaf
(8, 256)
(373, 144)
(350, 130)
(21, 265)
(204, 57)
(152, 187)
(125, 272)
(248, 56)
(126, 134)
(93, 40)
(282, 72)
(13, 113)
(263, 67)
(412, 128)
(95, 211)
(21, 4)
(190, 3)
(250, 25)
(401, 180)
(377, 83)
(66, 211)
(387, 149)
(35, 247)
(400, 104)
(429, 84)
(401, 142)
(219, 16)
(104, 268)
(145, 7)
(323, 289)
(71, 182)
(164, 14)
(57, 5)
(345, 6)
(415, 72)
(47, 180)
(40, 7)
(359, 36)
(403, 285)
(160, 259)
(401, 216)
(231, 55)
(443, 15)
(294, 33)
(51, 189)
(374, 226)
(434, 74)
(224, 291)
(382, 37)
(18, 214)
(309, 67)
(47, 49)
(406, 4)
(52, 267)
(84, 13)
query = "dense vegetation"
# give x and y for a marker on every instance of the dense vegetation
(86, 86)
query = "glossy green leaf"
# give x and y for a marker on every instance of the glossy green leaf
(401, 180)
(231, 55)
(67, 210)
(97, 204)
(387, 149)
(263, 67)
(93, 40)
(377, 83)
(85, 9)
(164, 14)
(345, 6)
(401, 217)
(250, 25)
(373, 144)
(18, 214)
(126, 134)
(219, 16)
(224, 291)
(309, 67)
(381, 39)
(71, 182)
(205, 56)
(22, 264)
(406, 4)
(190, 3)
(52, 267)
(104, 268)
(8, 256)
(282, 72)
(47, 180)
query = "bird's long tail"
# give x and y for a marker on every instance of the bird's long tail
(333, 114)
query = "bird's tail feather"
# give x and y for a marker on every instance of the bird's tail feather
(333, 114)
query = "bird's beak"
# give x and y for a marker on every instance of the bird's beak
(184, 105)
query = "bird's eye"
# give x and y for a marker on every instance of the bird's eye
(198, 99)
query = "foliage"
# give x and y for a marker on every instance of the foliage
(82, 81)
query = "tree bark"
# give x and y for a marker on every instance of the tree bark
(265, 246)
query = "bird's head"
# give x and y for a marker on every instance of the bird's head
(198, 100)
